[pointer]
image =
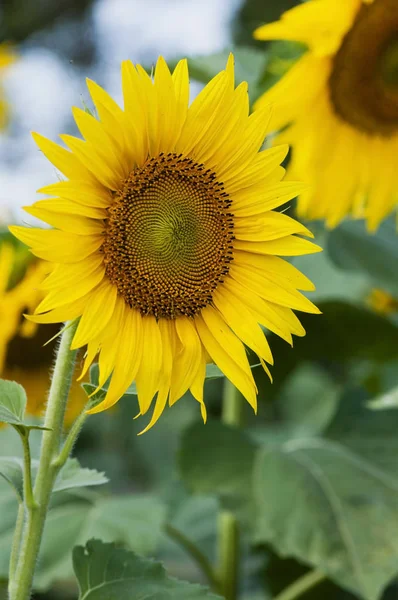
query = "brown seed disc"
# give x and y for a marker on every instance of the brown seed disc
(364, 80)
(169, 237)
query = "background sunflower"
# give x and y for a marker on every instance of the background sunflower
(25, 355)
(340, 105)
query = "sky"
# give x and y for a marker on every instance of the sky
(43, 85)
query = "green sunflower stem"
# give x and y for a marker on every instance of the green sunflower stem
(21, 584)
(228, 528)
(301, 586)
(16, 543)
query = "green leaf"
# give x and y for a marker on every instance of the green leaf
(352, 248)
(323, 504)
(216, 458)
(372, 434)
(104, 571)
(11, 469)
(131, 520)
(308, 400)
(12, 402)
(72, 475)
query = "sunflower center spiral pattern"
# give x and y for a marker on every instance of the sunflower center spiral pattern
(169, 237)
(364, 79)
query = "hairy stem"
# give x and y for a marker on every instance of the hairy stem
(16, 543)
(70, 441)
(228, 529)
(60, 385)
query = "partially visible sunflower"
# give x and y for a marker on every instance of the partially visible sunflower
(25, 295)
(340, 103)
(23, 357)
(383, 302)
(7, 57)
(165, 237)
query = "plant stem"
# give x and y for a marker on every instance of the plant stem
(195, 553)
(302, 585)
(228, 530)
(28, 497)
(47, 472)
(71, 438)
(16, 542)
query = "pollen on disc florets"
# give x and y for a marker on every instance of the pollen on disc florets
(364, 79)
(169, 237)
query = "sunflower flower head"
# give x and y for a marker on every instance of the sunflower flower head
(15, 299)
(340, 102)
(165, 237)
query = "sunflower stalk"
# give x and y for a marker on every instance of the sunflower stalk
(228, 537)
(301, 586)
(15, 546)
(21, 583)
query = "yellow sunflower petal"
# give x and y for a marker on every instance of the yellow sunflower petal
(147, 379)
(130, 346)
(227, 351)
(70, 282)
(197, 387)
(57, 246)
(187, 361)
(165, 376)
(96, 315)
(68, 207)
(63, 160)
(285, 246)
(270, 290)
(99, 167)
(247, 203)
(267, 227)
(241, 320)
(79, 191)
(70, 223)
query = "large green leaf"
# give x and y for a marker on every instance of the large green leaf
(352, 248)
(135, 521)
(325, 505)
(216, 458)
(104, 572)
(372, 434)
(307, 400)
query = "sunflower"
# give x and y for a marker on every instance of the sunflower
(340, 102)
(7, 57)
(15, 299)
(165, 240)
